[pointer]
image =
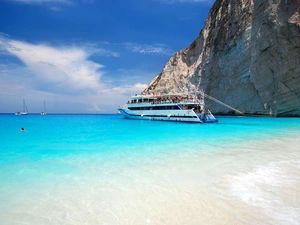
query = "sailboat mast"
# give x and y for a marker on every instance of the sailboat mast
(24, 106)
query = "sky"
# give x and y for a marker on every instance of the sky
(89, 56)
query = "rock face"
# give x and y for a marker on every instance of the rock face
(247, 55)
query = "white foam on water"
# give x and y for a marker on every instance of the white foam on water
(273, 188)
(272, 185)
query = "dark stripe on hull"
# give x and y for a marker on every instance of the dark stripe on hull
(157, 117)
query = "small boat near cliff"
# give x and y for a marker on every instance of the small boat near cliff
(168, 107)
(24, 112)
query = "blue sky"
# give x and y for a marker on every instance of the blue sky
(89, 56)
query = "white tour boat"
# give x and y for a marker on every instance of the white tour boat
(168, 107)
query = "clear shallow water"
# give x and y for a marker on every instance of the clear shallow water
(103, 169)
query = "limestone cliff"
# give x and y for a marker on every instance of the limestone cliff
(247, 55)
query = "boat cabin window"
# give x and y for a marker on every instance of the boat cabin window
(188, 106)
(141, 100)
(170, 107)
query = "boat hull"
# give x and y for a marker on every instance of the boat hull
(21, 113)
(162, 115)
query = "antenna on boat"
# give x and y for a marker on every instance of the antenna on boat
(228, 106)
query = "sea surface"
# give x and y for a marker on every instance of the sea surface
(107, 170)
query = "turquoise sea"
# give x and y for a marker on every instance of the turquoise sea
(103, 169)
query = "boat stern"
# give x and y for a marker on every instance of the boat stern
(208, 117)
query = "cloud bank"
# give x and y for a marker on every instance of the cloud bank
(66, 71)
(157, 49)
(63, 70)
(130, 88)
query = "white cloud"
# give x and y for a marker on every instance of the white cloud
(136, 88)
(94, 108)
(55, 9)
(62, 70)
(95, 49)
(149, 49)
(63, 76)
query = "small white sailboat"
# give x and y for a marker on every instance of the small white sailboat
(24, 112)
(44, 112)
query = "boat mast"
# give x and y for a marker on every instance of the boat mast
(24, 106)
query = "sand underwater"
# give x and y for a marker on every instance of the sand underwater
(103, 169)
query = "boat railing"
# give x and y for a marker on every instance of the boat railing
(185, 101)
(201, 101)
